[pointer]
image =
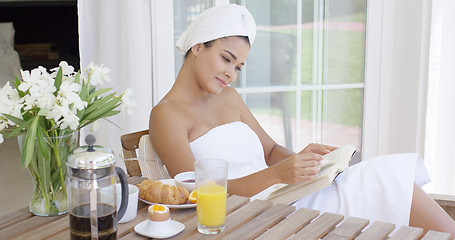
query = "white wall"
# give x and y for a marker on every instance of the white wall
(402, 64)
(397, 34)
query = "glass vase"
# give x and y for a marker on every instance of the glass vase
(48, 171)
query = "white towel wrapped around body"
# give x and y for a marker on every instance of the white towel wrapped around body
(378, 189)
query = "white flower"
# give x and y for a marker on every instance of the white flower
(56, 112)
(68, 94)
(10, 102)
(42, 95)
(45, 101)
(127, 103)
(35, 77)
(66, 69)
(66, 105)
(1, 138)
(98, 74)
(69, 120)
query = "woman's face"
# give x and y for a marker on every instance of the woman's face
(218, 65)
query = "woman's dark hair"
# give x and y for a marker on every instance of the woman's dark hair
(210, 43)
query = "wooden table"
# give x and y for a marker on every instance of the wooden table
(245, 220)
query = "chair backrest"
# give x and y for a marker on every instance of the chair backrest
(130, 142)
(148, 164)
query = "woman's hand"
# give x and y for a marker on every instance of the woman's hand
(301, 167)
(318, 148)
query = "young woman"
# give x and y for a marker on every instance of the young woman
(202, 117)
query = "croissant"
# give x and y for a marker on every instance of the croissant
(158, 192)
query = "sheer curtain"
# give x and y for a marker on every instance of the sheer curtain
(440, 120)
(117, 33)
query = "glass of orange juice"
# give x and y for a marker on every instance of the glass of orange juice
(211, 193)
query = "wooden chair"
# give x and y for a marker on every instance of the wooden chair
(130, 143)
(146, 163)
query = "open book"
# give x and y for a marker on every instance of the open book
(333, 164)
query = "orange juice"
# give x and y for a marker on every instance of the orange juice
(211, 205)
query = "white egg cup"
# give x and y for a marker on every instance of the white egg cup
(155, 229)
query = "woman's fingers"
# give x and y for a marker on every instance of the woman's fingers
(302, 167)
(318, 148)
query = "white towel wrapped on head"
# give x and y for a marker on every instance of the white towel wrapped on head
(218, 22)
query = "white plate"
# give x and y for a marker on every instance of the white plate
(159, 229)
(172, 183)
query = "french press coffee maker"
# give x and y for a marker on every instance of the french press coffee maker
(91, 184)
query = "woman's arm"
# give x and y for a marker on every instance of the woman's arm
(300, 167)
(168, 130)
(273, 152)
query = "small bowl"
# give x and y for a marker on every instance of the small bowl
(186, 180)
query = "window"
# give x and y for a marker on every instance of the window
(330, 37)
(304, 77)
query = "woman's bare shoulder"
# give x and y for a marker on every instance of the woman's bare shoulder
(231, 94)
(168, 113)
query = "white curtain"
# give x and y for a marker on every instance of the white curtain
(440, 121)
(117, 33)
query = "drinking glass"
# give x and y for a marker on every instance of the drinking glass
(211, 193)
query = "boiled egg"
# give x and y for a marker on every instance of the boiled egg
(158, 213)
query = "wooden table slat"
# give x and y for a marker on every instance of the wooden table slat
(261, 223)
(433, 235)
(407, 233)
(347, 230)
(126, 228)
(63, 235)
(319, 227)
(45, 230)
(377, 230)
(190, 229)
(14, 217)
(26, 225)
(233, 203)
(239, 218)
(133, 236)
(290, 225)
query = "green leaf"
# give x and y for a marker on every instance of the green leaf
(84, 91)
(111, 113)
(42, 145)
(16, 84)
(58, 80)
(92, 89)
(30, 140)
(99, 92)
(107, 107)
(55, 175)
(23, 155)
(14, 119)
(77, 77)
(23, 125)
(96, 104)
(44, 162)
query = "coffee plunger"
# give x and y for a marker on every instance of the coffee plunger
(91, 184)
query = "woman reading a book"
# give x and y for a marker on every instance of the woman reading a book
(202, 117)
